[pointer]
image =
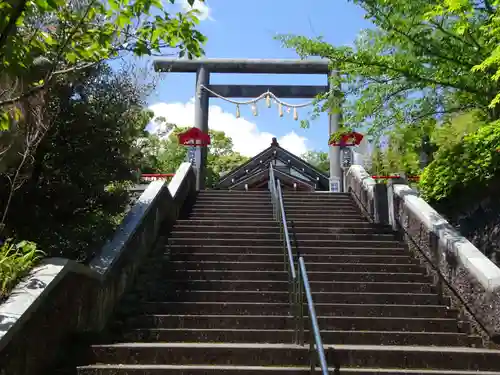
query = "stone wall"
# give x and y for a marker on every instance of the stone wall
(478, 221)
(62, 298)
(459, 269)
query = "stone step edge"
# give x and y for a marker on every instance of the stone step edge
(312, 282)
(306, 329)
(295, 222)
(333, 305)
(281, 263)
(287, 369)
(277, 234)
(266, 346)
(328, 317)
(273, 292)
(279, 240)
(180, 246)
(280, 254)
(284, 273)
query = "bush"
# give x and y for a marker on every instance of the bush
(16, 260)
(463, 169)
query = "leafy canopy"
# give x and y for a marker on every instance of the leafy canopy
(464, 168)
(417, 63)
(75, 188)
(40, 39)
(319, 159)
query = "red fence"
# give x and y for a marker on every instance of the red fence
(410, 178)
(156, 176)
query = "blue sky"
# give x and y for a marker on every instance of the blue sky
(245, 29)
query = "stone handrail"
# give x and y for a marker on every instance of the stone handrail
(473, 278)
(62, 298)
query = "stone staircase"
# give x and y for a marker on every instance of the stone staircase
(217, 300)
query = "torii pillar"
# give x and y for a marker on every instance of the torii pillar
(201, 106)
(203, 68)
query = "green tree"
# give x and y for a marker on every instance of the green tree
(413, 66)
(464, 169)
(403, 148)
(44, 43)
(468, 14)
(319, 159)
(75, 193)
(221, 156)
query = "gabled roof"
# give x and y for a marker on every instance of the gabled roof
(291, 168)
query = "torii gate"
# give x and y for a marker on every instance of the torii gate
(203, 68)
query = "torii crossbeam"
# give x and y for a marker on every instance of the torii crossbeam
(203, 68)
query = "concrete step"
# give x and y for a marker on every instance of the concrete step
(322, 309)
(287, 336)
(224, 227)
(335, 223)
(343, 323)
(321, 205)
(268, 222)
(252, 370)
(304, 250)
(238, 202)
(264, 209)
(330, 223)
(318, 195)
(311, 267)
(454, 358)
(325, 211)
(218, 233)
(217, 274)
(161, 295)
(244, 214)
(233, 193)
(352, 229)
(317, 215)
(279, 257)
(200, 242)
(282, 285)
(273, 227)
(215, 215)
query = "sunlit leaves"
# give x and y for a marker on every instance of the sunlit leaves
(78, 33)
(465, 167)
(417, 63)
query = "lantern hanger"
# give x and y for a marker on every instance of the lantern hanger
(253, 102)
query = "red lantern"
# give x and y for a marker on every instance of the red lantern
(348, 139)
(194, 137)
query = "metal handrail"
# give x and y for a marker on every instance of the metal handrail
(298, 282)
(314, 332)
(285, 230)
(280, 217)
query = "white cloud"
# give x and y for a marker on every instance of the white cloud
(202, 7)
(246, 136)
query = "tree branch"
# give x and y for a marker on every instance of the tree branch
(409, 75)
(17, 12)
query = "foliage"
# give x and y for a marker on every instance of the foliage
(465, 13)
(464, 168)
(16, 259)
(76, 191)
(403, 146)
(414, 65)
(46, 42)
(42, 39)
(221, 157)
(319, 159)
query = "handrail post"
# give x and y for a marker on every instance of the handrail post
(301, 309)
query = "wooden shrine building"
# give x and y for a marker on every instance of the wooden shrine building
(293, 172)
